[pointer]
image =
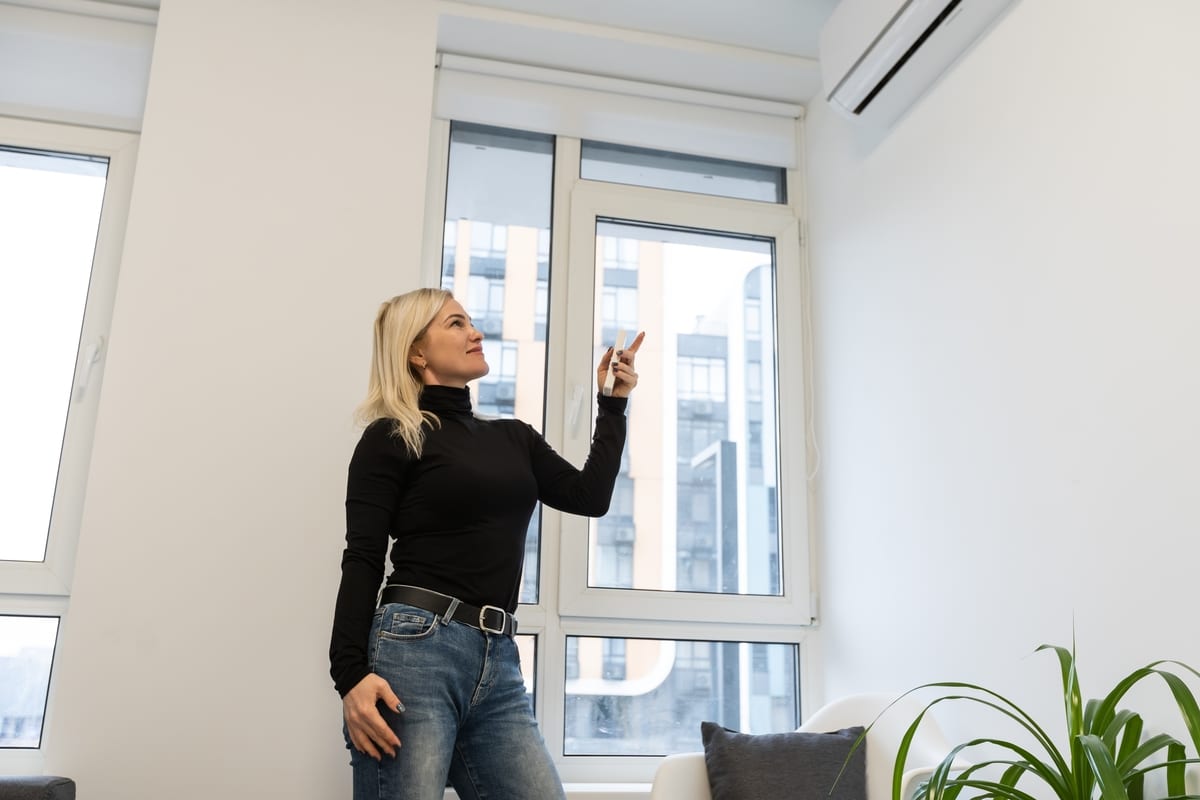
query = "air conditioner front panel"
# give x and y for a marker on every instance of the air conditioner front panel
(878, 49)
(849, 32)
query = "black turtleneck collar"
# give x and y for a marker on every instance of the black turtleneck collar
(446, 400)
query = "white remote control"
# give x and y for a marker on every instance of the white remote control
(611, 379)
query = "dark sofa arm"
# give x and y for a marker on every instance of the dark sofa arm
(36, 787)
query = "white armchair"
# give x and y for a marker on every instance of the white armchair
(684, 777)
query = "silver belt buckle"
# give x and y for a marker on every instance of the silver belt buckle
(483, 626)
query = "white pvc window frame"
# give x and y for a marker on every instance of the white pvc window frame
(44, 588)
(567, 606)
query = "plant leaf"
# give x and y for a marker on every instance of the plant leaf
(1160, 741)
(1186, 702)
(1074, 710)
(1029, 763)
(1070, 682)
(939, 781)
(1107, 777)
(994, 789)
(1175, 783)
(1126, 726)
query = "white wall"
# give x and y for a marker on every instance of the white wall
(1006, 371)
(279, 198)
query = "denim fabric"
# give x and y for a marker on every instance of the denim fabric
(467, 718)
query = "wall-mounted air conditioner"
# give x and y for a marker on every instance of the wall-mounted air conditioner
(879, 56)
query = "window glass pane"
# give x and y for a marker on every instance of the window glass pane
(49, 215)
(527, 648)
(26, 653)
(649, 696)
(495, 259)
(657, 169)
(695, 506)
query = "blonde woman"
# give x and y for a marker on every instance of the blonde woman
(428, 670)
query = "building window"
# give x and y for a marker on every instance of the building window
(26, 653)
(64, 192)
(649, 696)
(691, 544)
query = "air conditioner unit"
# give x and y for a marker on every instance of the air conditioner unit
(878, 56)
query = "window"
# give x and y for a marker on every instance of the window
(689, 599)
(57, 281)
(26, 652)
(650, 695)
(50, 204)
(685, 173)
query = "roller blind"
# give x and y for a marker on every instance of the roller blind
(617, 111)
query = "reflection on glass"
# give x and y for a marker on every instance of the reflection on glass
(496, 261)
(649, 696)
(696, 504)
(49, 215)
(26, 652)
(657, 169)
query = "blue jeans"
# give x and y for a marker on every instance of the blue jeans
(467, 718)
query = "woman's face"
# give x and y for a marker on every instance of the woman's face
(451, 351)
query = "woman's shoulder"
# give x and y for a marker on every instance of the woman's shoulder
(380, 428)
(380, 436)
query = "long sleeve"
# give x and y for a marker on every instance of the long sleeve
(586, 491)
(373, 490)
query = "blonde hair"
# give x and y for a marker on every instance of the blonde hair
(394, 387)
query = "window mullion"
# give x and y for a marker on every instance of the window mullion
(551, 651)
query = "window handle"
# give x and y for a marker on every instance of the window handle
(576, 405)
(91, 357)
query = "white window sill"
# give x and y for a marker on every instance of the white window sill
(595, 791)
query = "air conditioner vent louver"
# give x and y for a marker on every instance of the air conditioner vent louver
(879, 56)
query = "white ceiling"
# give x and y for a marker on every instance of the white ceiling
(764, 49)
(776, 26)
(788, 27)
(752, 48)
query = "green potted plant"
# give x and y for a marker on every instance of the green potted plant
(1107, 754)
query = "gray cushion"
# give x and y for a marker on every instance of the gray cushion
(770, 766)
(36, 787)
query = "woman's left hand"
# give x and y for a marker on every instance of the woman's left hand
(622, 362)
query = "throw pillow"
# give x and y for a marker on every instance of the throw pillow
(768, 766)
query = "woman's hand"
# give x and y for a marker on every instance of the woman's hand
(626, 376)
(369, 732)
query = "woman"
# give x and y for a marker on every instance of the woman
(430, 679)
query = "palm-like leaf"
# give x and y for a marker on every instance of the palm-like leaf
(1107, 755)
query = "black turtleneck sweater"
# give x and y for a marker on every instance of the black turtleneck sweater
(458, 513)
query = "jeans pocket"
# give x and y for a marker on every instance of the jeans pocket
(373, 638)
(404, 622)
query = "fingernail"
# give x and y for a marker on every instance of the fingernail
(400, 707)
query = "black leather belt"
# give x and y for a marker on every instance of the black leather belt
(491, 619)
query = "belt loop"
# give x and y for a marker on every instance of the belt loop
(449, 615)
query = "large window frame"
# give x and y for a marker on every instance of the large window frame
(44, 588)
(567, 605)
